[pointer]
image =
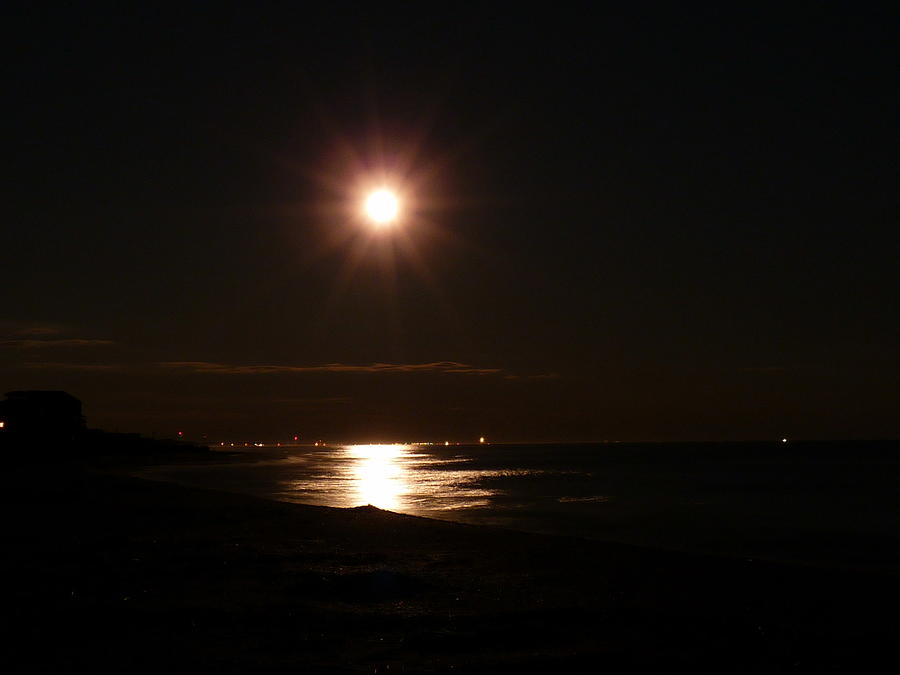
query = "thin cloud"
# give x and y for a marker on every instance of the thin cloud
(30, 328)
(61, 342)
(439, 367)
(82, 367)
(539, 376)
(313, 402)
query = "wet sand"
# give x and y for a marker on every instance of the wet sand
(108, 573)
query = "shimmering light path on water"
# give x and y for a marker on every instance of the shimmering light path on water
(832, 502)
(393, 477)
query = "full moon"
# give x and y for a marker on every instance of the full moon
(382, 206)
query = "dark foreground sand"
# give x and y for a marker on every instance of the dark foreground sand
(105, 573)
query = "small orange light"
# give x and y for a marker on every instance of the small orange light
(2, 424)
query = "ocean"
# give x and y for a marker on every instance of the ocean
(823, 503)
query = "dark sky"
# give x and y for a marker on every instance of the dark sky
(662, 223)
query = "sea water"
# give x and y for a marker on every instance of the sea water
(825, 503)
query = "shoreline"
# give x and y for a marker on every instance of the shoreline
(850, 543)
(887, 568)
(105, 567)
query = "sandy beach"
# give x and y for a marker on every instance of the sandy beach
(108, 573)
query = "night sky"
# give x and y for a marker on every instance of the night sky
(650, 223)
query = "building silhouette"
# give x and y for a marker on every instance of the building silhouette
(41, 414)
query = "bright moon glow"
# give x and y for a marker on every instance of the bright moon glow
(382, 206)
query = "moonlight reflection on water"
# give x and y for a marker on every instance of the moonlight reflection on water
(726, 498)
(379, 474)
(394, 477)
